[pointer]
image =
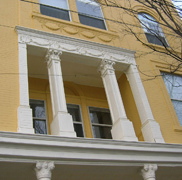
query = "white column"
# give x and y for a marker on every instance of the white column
(122, 128)
(25, 122)
(150, 128)
(148, 171)
(43, 170)
(62, 123)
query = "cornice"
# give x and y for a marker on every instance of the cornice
(26, 147)
(73, 45)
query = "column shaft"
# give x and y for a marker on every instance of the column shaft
(25, 122)
(150, 128)
(62, 123)
(122, 128)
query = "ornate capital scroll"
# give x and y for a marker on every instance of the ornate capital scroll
(106, 67)
(43, 169)
(148, 171)
(52, 54)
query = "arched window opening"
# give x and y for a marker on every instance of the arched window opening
(152, 29)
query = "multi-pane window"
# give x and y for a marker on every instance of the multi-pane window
(174, 86)
(75, 111)
(101, 122)
(152, 29)
(39, 116)
(55, 8)
(90, 13)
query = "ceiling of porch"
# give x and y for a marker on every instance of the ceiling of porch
(25, 171)
(79, 69)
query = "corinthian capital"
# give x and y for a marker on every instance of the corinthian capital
(148, 171)
(43, 170)
(106, 67)
(53, 54)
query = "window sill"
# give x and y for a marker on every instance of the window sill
(74, 28)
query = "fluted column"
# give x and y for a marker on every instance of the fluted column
(150, 128)
(148, 171)
(43, 170)
(122, 128)
(62, 123)
(24, 112)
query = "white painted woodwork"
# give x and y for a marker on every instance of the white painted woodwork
(148, 171)
(43, 170)
(150, 128)
(24, 112)
(122, 128)
(62, 123)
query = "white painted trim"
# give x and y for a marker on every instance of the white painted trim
(72, 45)
(81, 151)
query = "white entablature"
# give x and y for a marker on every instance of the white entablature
(72, 45)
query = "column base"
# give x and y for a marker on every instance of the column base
(62, 125)
(25, 121)
(151, 131)
(123, 129)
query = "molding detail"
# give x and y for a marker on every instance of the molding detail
(148, 171)
(106, 67)
(73, 29)
(43, 169)
(72, 45)
(52, 54)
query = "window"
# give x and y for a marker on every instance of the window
(90, 13)
(39, 116)
(55, 8)
(152, 29)
(101, 122)
(75, 111)
(174, 86)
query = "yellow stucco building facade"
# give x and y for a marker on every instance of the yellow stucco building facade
(82, 98)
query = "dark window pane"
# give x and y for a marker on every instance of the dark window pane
(101, 132)
(79, 130)
(39, 126)
(54, 12)
(90, 21)
(74, 111)
(153, 39)
(38, 108)
(178, 108)
(100, 116)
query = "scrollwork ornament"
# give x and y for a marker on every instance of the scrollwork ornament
(25, 39)
(106, 67)
(148, 171)
(53, 54)
(43, 169)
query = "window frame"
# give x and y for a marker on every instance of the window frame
(94, 17)
(81, 118)
(69, 13)
(97, 124)
(151, 20)
(163, 73)
(47, 129)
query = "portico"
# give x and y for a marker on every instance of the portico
(96, 55)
